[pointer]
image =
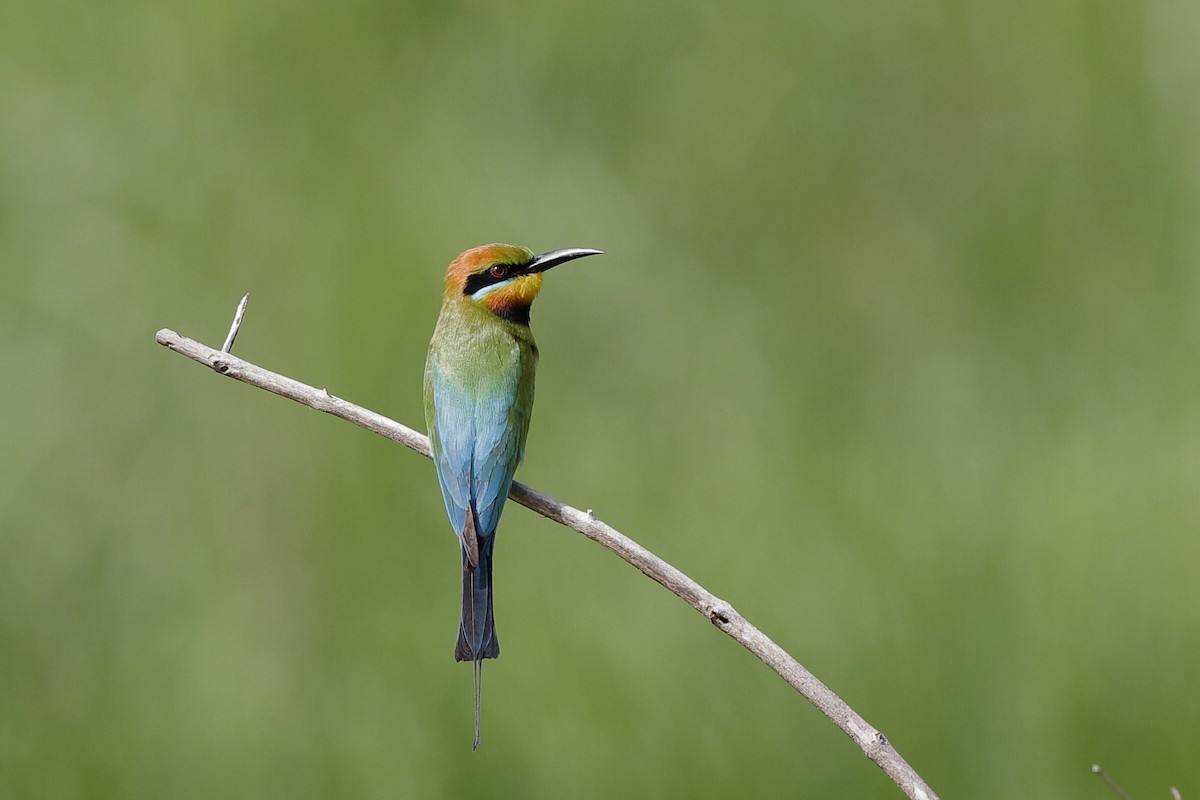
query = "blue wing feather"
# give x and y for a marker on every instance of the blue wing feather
(478, 438)
(451, 437)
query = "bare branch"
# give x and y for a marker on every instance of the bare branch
(873, 743)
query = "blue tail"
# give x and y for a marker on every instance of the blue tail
(476, 627)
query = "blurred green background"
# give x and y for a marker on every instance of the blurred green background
(895, 347)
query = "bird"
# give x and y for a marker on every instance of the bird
(479, 376)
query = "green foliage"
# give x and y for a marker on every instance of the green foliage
(894, 347)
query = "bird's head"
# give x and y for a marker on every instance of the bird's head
(504, 278)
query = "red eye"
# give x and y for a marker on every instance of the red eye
(499, 270)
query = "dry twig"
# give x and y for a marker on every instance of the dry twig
(873, 743)
(1116, 787)
(237, 324)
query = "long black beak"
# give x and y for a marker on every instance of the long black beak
(555, 257)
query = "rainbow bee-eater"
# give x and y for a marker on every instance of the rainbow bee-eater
(478, 399)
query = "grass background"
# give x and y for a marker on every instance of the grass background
(895, 347)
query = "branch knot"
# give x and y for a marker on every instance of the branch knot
(719, 612)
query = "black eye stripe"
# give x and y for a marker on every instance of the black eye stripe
(482, 280)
